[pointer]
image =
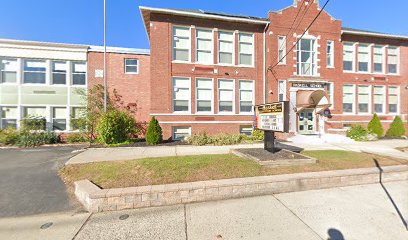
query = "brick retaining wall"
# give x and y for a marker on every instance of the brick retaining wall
(98, 200)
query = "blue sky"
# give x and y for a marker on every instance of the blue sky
(81, 21)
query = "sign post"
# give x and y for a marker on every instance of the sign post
(271, 118)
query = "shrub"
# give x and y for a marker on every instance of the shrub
(116, 126)
(8, 136)
(76, 138)
(257, 135)
(358, 133)
(397, 129)
(375, 126)
(154, 132)
(33, 123)
(36, 138)
(220, 139)
(199, 139)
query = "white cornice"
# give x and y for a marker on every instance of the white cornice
(356, 32)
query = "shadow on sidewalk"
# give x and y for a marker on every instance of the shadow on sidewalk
(335, 234)
(390, 197)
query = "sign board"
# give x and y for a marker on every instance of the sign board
(272, 117)
(308, 85)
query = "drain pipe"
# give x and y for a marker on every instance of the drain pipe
(264, 62)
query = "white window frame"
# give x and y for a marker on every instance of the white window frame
(382, 58)
(74, 117)
(173, 132)
(198, 50)
(1, 115)
(45, 71)
(2, 70)
(398, 100)
(282, 91)
(79, 73)
(353, 63)
(253, 49)
(174, 45)
(353, 103)
(233, 94)
(281, 48)
(233, 48)
(369, 108)
(384, 97)
(314, 58)
(196, 95)
(368, 56)
(330, 55)
(398, 60)
(239, 96)
(330, 89)
(54, 118)
(131, 65)
(173, 95)
(53, 72)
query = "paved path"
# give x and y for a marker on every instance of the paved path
(383, 147)
(29, 181)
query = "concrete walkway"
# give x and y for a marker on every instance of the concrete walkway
(383, 147)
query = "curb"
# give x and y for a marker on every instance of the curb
(96, 199)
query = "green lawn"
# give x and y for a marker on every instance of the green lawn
(154, 171)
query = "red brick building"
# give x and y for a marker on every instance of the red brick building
(208, 70)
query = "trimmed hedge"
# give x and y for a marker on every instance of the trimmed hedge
(375, 126)
(116, 126)
(154, 134)
(397, 129)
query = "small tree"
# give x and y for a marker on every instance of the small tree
(375, 126)
(154, 132)
(396, 129)
(116, 126)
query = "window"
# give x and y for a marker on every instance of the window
(393, 99)
(226, 48)
(330, 93)
(281, 49)
(38, 112)
(77, 113)
(181, 133)
(8, 69)
(392, 60)
(245, 130)
(8, 117)
(204, 46)
(181, 94)
(204, 95)
(59, 119)
(78, 73)
(378, 59)
(379, 100)
(363, 58)
(348, 56)
(181, 44)
(226, 96)
(34, 71)
(246, 96)
(131, 66)
(364, 99)
(348, 98)
(306, 58)
(59, 72)
(330, 54)
(281, 90)
(246, 49)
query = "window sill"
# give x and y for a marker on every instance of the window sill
(135, 73)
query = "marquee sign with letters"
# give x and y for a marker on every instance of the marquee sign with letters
(272, 117)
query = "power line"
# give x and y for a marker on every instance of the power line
(303, 34)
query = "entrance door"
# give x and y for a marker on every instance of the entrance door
(307, 121)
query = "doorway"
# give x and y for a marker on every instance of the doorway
(307, 121)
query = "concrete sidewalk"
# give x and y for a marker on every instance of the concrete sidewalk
(382, 147)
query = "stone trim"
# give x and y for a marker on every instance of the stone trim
(99, 200)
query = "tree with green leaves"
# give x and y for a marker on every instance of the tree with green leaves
(397, 129)
(375, 126)
(154, 133)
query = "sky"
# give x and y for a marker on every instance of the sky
(81, 21)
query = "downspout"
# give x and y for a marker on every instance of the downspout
(264, 62)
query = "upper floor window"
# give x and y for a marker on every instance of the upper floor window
(281, 90)
(8, 69)
(246, 49)
(330, 54)
(181, 94)
(378, 59)
(59, 72)
(306, 57)
(204, 95)
(34, 71)
(226, 95)
(78, 73)
(181, 44)
(226, 47)
(281, 49)
(246, 96)
(363, 58)
(392, 60)
(348, 56)
(204, 46)
(393, 99)
(131, 66)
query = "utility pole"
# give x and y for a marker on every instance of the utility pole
(105, 85)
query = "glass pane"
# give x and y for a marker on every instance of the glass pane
(34, 77)
(78, 79)
(378, 67)
(204, 44)
(226, 58)
(305, 45)
(180, 31)
(393, 99)
(204, 57)
(245, 106)
(203, 106)
(59, 78)
(204, 94)
(8, 123)
(181, 82)
(348, 65)
(225, 106)
(59, 66)
(9, 112)
(9, 77)
(183, 43)
(34, 111)
(226, 84)
(182, 94)
(204, 34)
(243, 37)
(59, 124)
(363, 66)
(392, 108)
(9, 65)
(348, 56)
(131, 69)
(181, 55)
(59, 113)
(306, 57)
(378, 108)
(79, 67)
(245, 59)
(226, 47)
(34, 65)
(131, 62)
(228, 36)
(392, 90)
(204, 83)
(246, 95)
(245, 85)
(226, 95)
(181, 105)
(392, 68)
(78, 112)
(347, 107)
(245, 48)
(363, 107)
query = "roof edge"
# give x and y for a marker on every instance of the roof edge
(138, 51)
(43, 44)
(372, 34)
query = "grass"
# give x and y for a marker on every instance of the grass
(154, 171)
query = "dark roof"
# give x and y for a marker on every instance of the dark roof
(219, 14)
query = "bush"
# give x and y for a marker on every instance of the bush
(257, 135)
(76, 138)
(220, 139)
(397, 129)
(199, 139)
(359, 133)
(375, 126)
(154, 132)
(8, 136)
(36, 138)
(33, 123)
(116, 126)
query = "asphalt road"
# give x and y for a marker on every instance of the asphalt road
(29, 181)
